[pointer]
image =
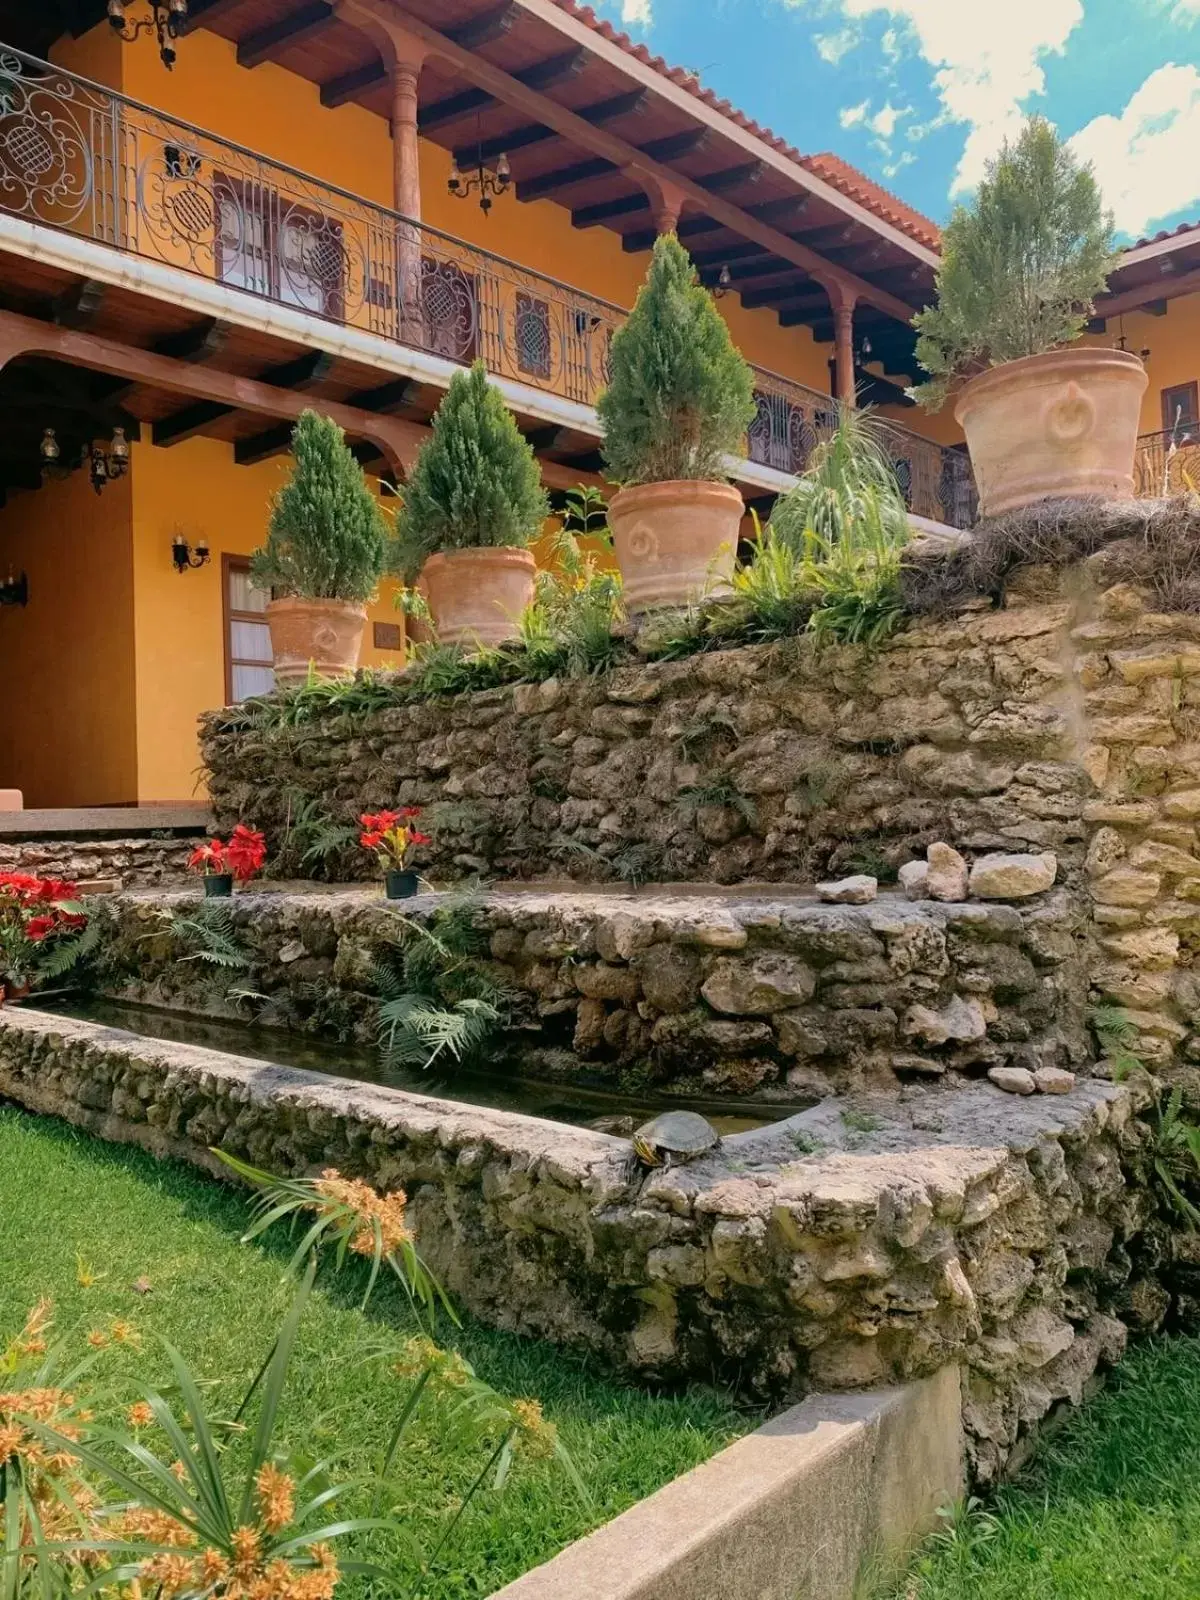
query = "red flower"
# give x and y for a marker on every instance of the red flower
(418, 838)
(209, 857)
(380, 821)
(245, 852)
(37, 928)
(409, 813)
(371, 841)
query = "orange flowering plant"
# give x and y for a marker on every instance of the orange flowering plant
(390, 835)
(355, 1219)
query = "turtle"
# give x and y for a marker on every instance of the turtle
(674, 1137)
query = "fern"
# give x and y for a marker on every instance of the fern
(415, 1031)
(66, 955)
(1175, 1159)
(696, 797)
(438, 996)
(208, 934)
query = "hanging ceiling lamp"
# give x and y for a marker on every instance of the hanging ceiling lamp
(165, 20)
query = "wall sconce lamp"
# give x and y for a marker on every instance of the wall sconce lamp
(186, 557)
(165, 20)
(462, 185)
(724, 283)
(104, 463)
(14, 591)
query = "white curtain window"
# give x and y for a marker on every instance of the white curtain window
(248, 669)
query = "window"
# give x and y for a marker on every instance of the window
(248, 667)
(1181, 411)
(273, 247)
(533, 336)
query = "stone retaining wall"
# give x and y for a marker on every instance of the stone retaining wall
(1069, 724)
(770, 994)
(135, 862)
(857, 1243)
(776, 762)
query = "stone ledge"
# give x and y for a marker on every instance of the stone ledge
(762, 991)
(857, 1244)
(868, 1471)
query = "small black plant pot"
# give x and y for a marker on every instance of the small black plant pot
(218, 885)
(401, 885)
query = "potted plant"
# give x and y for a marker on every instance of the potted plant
(678, 405)
(471, 507)
(390, 835)
(1020, 269)
(323, 558)
(221, 863)
(35, 916)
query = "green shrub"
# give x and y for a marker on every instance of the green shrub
(476, 481)
(327, 538)
(1020, 266)
(681, 396)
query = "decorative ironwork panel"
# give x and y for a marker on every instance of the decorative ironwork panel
(1167, 464)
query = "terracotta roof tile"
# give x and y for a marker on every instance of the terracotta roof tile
(829, 168)
(1166, 233)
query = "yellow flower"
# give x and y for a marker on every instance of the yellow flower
(11, 1436)
(126, 1333)
(170, 1573)
(141, 1415)
(381, 1218)
(98, 1339)
(276, 1497)
(247, 1553)
(444, 1366)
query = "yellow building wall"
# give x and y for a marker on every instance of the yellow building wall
(1173, 341)
(178, 622)
(67, 721)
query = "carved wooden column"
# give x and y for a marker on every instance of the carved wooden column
(843, 299)
(666, 200)
(403, 56)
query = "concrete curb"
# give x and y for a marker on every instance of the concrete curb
(800, 1510)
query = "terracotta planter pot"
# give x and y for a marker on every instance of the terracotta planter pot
(1053, 427)
(477, 596)
(675, 542)
(324, 633)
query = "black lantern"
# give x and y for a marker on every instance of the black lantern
(104, 462)
(463, 185)
(724, 283)
(165, 20)
(14, 591)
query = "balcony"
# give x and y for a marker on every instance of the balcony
(77, 157)
(1168, 463)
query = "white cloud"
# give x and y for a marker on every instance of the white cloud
(832, 47)
(1185, 11)
(852, 116)
(638, 12)
(1145, 158)
(885, 119)
(986, 60)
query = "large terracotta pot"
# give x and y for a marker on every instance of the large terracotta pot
(326, 634)
(1054, 426)
(476, 596)
(675, 542)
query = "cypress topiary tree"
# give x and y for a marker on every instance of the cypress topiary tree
(476, 481)
(1020, 266)
(327, 539)
(681, 396)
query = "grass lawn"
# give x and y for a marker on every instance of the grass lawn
(67, 1199)
(1109, 1509)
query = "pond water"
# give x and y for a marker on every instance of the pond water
(613, 1111)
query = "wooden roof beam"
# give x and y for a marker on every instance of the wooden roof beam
(748, 173)
(1113, 305)
(204, 13)
(295, 28)
(564, 178)
(299, 373)
(689, 228)
(785, 295)
(619, 153)
(606, 210)
(621, 105)
(555, 69)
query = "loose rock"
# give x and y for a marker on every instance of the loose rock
(948, 875)
(856, 891)
(1013, 1080)
(1016, 877)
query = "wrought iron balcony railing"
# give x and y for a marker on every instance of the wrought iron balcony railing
(1168, 463)
(79, 157)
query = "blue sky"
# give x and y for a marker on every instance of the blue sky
(918, 93)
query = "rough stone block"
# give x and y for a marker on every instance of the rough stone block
(1013, 877)
(855, 891)
(947, 874)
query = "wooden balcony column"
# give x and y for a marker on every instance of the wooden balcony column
(843, 299)
(403, 57)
